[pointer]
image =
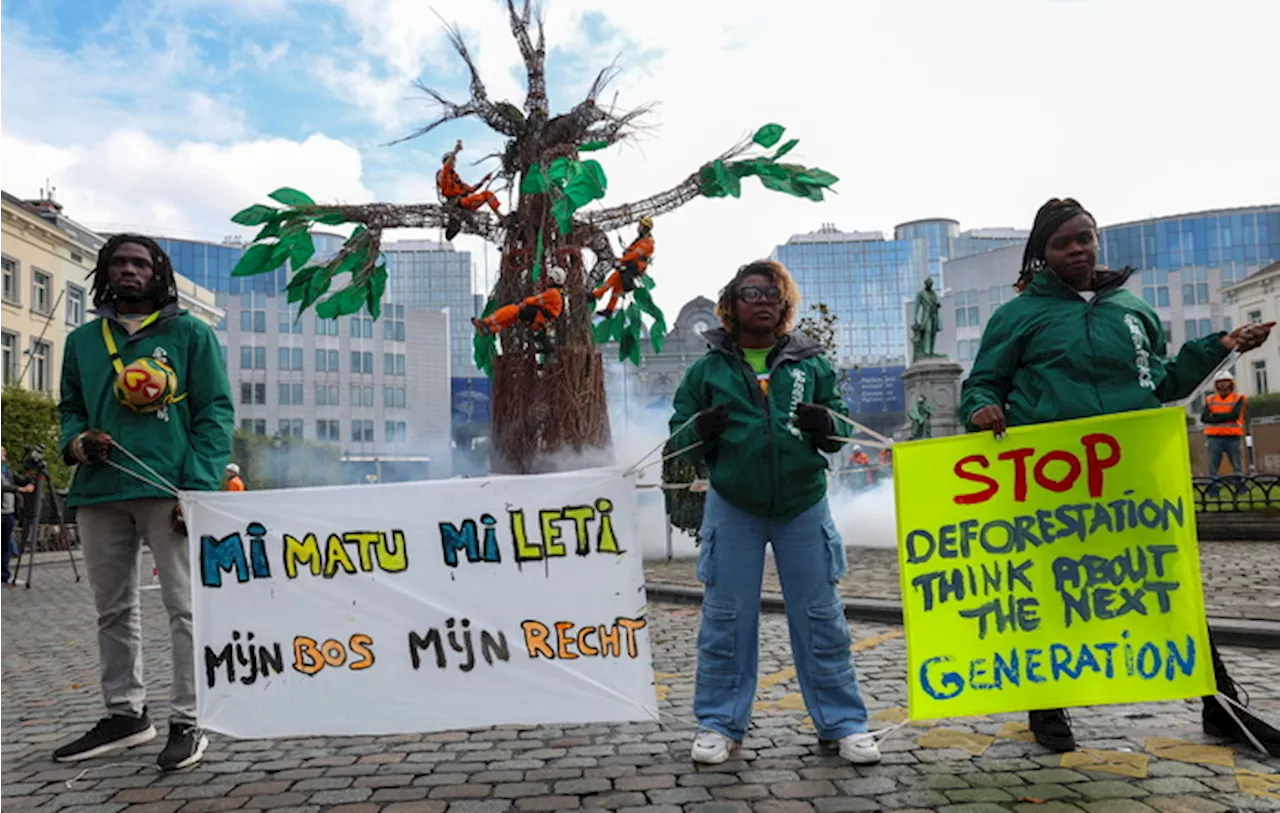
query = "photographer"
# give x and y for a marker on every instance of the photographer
(14, 484)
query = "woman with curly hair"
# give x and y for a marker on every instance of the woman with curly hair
(758, 409)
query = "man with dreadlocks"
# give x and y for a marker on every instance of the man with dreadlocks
(1064, 348)
(146, 413)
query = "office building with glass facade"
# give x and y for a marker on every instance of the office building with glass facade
(868, 282)
(378, 389)
(1181, 264)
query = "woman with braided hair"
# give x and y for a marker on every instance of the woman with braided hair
(1063, 349)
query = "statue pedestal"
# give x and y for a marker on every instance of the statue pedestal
(938, 379)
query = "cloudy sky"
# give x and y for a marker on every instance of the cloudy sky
(170, 115)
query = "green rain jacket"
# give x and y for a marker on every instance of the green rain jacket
(761, 464)
(1050, 355)
(187, 443)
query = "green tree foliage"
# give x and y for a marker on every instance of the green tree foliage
(31, 419)
(820, 325)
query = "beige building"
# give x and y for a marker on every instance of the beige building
(1256, 298)
(48, 259)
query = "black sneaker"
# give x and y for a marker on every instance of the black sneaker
(185, 747)
(1052, 729)
(110, 734)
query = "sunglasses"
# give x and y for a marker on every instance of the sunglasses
(751, 294)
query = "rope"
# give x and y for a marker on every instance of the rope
(639, 464)
(160, 481)
(638, 468)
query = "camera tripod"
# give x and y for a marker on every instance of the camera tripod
(31, 528)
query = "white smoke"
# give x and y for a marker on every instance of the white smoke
(866, 519)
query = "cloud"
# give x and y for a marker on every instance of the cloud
(131, 180)
(977, 111)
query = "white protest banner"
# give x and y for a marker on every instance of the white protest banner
(416, 607)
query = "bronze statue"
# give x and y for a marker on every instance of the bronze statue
(927, 322)
(921, 417)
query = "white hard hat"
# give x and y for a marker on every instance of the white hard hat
(557, 275)
(1224, 376)
(233, 468)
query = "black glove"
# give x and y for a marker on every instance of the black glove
(177, 522)
(528, 313)
(91, 446)
(813, 418)
(711, 423)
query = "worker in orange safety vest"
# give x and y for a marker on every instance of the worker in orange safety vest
(1223, 419)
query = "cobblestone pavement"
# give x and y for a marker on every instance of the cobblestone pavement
(1240, 578)
(1140, 759)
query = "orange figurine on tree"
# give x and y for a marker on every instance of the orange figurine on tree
(455, 191)
(630, 268)
(537, 311)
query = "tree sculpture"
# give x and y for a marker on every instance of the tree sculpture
(544, 404)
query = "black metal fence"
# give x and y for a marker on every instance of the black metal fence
(1237, 493)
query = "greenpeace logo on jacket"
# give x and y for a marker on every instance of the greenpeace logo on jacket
(1050, 355)
(762, 463)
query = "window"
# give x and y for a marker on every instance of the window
(393, 323)
(223, 349)
(290, 358)
(291, 395)
(393, 364)
(361, 327)
(253, 321)
(397, 432)
(290, 323)
(326, 327)
(327, 361)
(41, 292)
(75, 305)
(967, 349)
(260, 393)
(362, 431)
(1000, 295)
(361, 362)
(1155, 288)
(328, 431)
(253, 426)
(967, 309)
(326, 395)
(361, 396)
(393, 397)
(1195, 286)
(10, 343)
(253, 358)
(41, 366)
(11, 281)
(1197, 328)
(290, 427)
(1260, 378)
(1167, 327)
(1227, 323)
(253, 316)
(1255, 317)
(246, 392)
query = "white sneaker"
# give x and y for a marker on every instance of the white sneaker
(860, 749)
(711, 747)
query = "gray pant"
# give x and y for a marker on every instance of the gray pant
(1224, 445)
(111, 534)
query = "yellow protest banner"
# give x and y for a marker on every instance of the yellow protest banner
(1055, 567)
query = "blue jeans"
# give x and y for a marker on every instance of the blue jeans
(1219, 446)
(10, 545)
(811, 559)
